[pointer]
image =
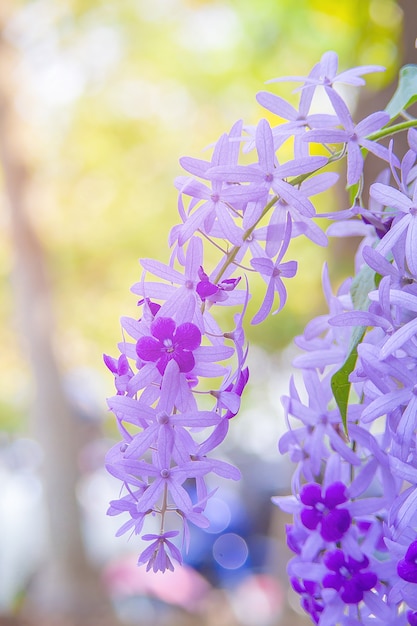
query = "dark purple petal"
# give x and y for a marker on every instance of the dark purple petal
(187, 337)
(163, 362)
(407, 570)
(335, 524)
(310, 494)
(205, 289)
(311, 518)
(148, 349)
(296, 585)
(163, 328)
(355, 566)
(352, 592)
(366, 580)
(334, 581)
(184, 359)
(123, 365)
(335, 494)
(111, 363)
(334, 560)
(412, 618)
(411, 554)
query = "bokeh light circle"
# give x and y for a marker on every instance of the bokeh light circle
(218, 513)
(230, 551)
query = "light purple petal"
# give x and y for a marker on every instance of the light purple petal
(372, 123)
(276, 105)
(398, 339)
(384, 404)
(411, 245)
(265, 146)
(266, 305)
(293, 197)
(162, 271)
(388, 196)
(355, 163)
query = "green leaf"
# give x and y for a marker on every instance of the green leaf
(340, 380)
(406, 92)
(353, 192)
(362, 284)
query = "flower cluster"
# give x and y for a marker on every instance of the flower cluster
(354, 531)
(355, 483)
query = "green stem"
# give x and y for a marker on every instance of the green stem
(233, 252)
(392, 130)
(164, 508)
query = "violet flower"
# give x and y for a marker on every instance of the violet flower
(267, 174)
(325, 73)
(169, 341)
(324, 511)
(273, 272)
(351, 578)
(353, 135)
(156, 554)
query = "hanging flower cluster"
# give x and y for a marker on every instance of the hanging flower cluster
(352, 423)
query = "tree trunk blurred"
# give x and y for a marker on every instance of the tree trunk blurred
(67, 585)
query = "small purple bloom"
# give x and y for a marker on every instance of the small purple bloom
(323, 511)
(273, 272)
(170, 341)
(155, 555)
(205, 288)
(348, 577)
(122, 371)
(311, 600)
(325, 73)
(354, 136)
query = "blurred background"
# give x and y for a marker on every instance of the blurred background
(98, 100)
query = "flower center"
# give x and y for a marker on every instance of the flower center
(162, 418)
(168, 345)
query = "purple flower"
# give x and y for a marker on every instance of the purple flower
(170, 341)
(323, 511)
(407, 567)
(205, 288)
(404, 222)
(122, 371)
(347, 576)
(311, 600)
(354, 136)
(267, 174)
(325, 73)
(214, 293)
(156, 556)
(128, 504)
(298, 121)
(273, 273)
(219, 198)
